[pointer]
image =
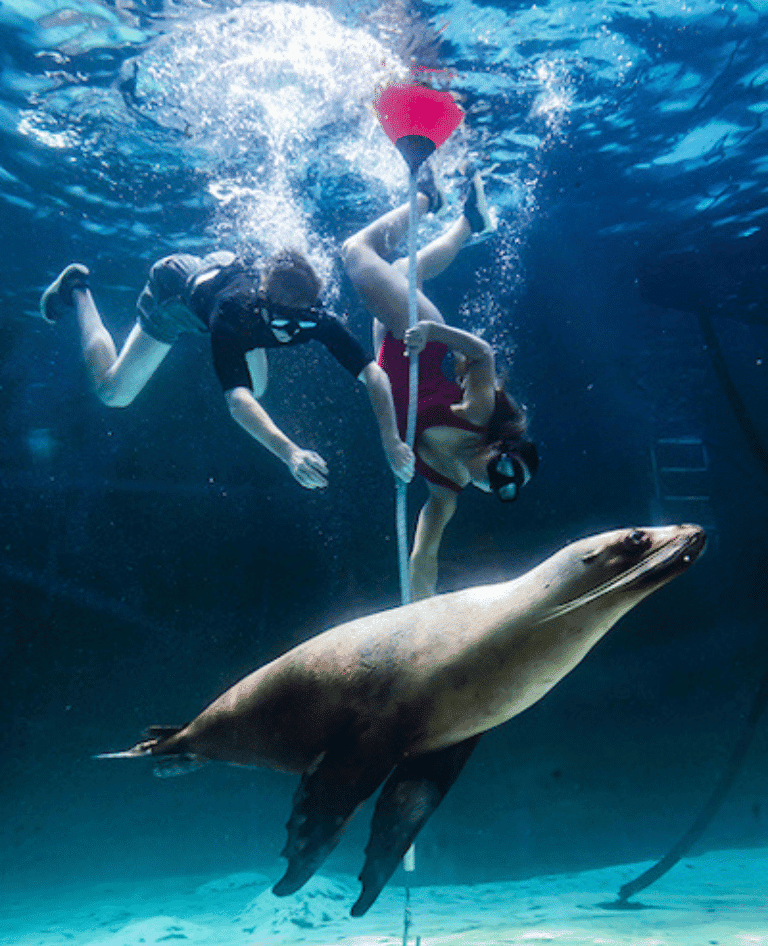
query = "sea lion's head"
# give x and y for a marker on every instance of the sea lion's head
(613, 571)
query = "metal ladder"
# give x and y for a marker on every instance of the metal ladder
(680, 467)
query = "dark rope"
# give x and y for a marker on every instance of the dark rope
(692, 835)
(759, 451)
(708, 812)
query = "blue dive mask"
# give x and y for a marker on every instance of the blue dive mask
(285, 318)
(512, 469)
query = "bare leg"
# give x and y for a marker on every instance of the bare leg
(382, 286)
(116, 379)
(438, 255)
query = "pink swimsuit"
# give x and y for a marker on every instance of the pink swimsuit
(436, 395)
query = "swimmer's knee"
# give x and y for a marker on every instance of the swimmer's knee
(113, 399)
(359, 267)
(352, 253)
(110, 399)
(111, 395)
(347, 248)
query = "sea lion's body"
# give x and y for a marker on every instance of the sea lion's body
(412, 689)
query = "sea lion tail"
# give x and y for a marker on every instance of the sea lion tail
(169, 760)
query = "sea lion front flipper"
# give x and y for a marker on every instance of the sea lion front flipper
(327, 797)
(411, 794)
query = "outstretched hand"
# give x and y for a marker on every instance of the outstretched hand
(401, 460)
(309, 469)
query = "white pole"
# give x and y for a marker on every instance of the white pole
(413, 314)
(401, 514)
(409, 860)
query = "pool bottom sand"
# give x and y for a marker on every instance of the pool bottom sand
(717, 899)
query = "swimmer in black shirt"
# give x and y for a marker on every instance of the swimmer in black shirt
(244, 315)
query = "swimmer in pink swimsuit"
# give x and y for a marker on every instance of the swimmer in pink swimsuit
(466, 432)
(437, 394)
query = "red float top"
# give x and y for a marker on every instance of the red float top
(417, 110)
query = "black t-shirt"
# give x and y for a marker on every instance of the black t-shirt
(239, 321)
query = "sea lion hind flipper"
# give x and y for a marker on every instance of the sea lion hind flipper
(412, 792)
(325, 801)
(172, 758)
(174, 762)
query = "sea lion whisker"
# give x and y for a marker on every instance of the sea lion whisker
(619, 581)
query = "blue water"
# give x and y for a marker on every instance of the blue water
(152, 556)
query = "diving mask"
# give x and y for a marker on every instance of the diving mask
(512, 469)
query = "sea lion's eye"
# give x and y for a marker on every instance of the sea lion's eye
(589, 557)
(637, 541)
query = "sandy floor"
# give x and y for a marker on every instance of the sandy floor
(718, 899)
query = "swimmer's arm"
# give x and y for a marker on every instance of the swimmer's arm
(479, 369)
(435, 515)
(306, 466)
(399, 454)
(475, 349)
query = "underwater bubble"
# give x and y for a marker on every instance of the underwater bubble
(253, 90)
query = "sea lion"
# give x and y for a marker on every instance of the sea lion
(404, 695)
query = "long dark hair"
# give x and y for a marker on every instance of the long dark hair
(509, 421)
